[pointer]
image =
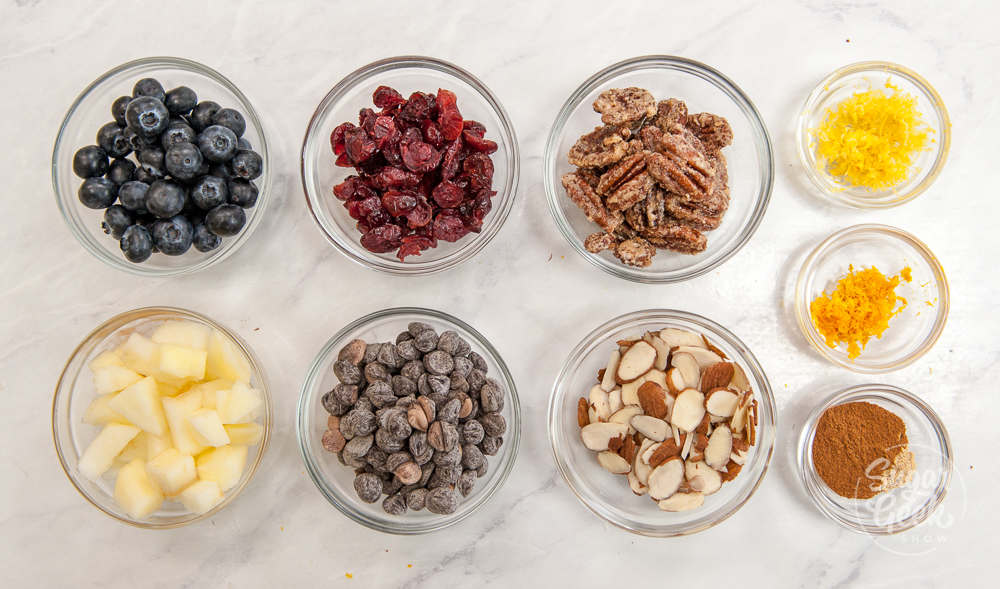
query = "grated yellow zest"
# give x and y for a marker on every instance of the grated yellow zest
(872, 138)
(859, 308)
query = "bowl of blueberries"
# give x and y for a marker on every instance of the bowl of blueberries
(161, 167)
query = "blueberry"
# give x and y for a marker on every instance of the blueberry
(136, 142)
(242, 193)
(205, 240)
(181, 100)
(149, 87)
(147, 116)
(204, 169)
(111, 139)
(173, 236)
(209, 192)
(149, 174)
(116, 221)
(183, 161)
(118, 109)
(177, 132)
(246, 165)
(243, 144)
(231, 119)
(97, 193)
(165, 199)
(201, 116)
(217, 143)
(92, 161)
(121, 171)
(137, 244)
(225, 220)
(152, 155)
(220, 171)
(133, 196)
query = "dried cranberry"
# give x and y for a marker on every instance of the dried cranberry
(478, 168)
(398, 203)
(391, 153)
(451, 162)
(337, 137)
(359, 145)
(411, 135)
(394, 177)
(386, 97)
(363, 226)
(413, 245)
(417, 107)
(483, 203)
(474, 127)
(432, 133)
(448, 226)
(383, 238)
(347, 189)
(419, 156)
(343, 161)
(383, 131)
(378, 217)
(364, 207)
(448, 195)
(366, 120)
(445, 99)
(420, 215)
(477, 143)
(449, 119)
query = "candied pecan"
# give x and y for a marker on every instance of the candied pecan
(598, 242)
(670, 112)
(713, 130)
(676, 237)
(650, 137)
(635, 252)
(584, 196)
(692, 216)
(601, 147)
(620, 173)
(631, 193)
(624, 105)
(680, 165)
(624, 231)
(590, 176)
(635, 217)
(655, 207)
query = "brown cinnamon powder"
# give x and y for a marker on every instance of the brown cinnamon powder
(861, 450)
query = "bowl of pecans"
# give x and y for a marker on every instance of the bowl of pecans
(408, 421)
(658, 169)
(662, 422)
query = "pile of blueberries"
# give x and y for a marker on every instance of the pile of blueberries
(191, 179)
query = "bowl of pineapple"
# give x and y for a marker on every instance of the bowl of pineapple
(161, 417)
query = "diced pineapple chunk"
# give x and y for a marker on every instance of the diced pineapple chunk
(100, 454)
(140, 354)
(106, 358)
(140, 404)
(99, 412)
(223, 465)
(136, 492)
(168, 389)
(208, 427)
(172, 471)
(245, 434)
(145, 446)
(209, 389)
(239, 405)
(179, 362)
(183, 333)
(225, 359)
(178, 409)
(111, 379)
(201, 496)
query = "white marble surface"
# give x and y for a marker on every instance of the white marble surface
(287, 290)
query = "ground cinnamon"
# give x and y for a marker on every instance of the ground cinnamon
(861, 449)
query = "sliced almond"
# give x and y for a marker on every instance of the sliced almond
(653, 399)
(738, 423)
(637, 360)
(597, 436)
(630, 390)
(613, 463)
(732, 469)
(704, 356)
(739, 381)
(646, 452)
(640, 468)
(615, 444)
(599, 403)
(674, 337)
(625, 414)
(582, 412)
(653, 428)
(615, 400)
(635, 484)
(716, 375)
(608, 380)
(662, 350)
(752, 423)
(720, 446)
(682, 502)
(721, 402)
(686, 448)
(739, 457)
(675, 380)
(712, 348)
(659, 453)
(702, 477)
(665, 478)
(689, 409)
(628, 449)
(688, 367)
(676, 433)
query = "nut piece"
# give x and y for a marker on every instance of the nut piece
(599, 403)
(615, 400)
(636, 252)
(637, 486)
(625, 414)
(702, 355)
(739, 382)
(662, 350)
(624, 105)
(716, 376)
(689, 409)
(682, 502)
(613, 463)
(733, 469)
(702, 477)
(688, 367)
(597, 436)
(666, 478)
(651, 427)
(608, 380)
(653, 399)
(721, 402)
(675, 381)
(636, 361)
(663, 451)
(675, 338)
(720, 446)
(596, 243)
(640, 468)
(582, 412)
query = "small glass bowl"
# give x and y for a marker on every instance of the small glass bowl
(863, 76)
(92, 109)
(750, 159)
(608, 495)
(899, 509)
(912, 332)
(407, 74)
(75, 391)
(336, 481)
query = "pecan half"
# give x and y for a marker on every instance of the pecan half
(676, 237)
(620, 173)
(713, 130)
(624, 105)
(601, 147)
(680, 165)
(635, 252)
(584, 196)
(655, 207)
(598, 242)
(631, 193)
(692, 216)
(670, 112)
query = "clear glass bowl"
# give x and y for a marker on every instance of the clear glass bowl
(407, 74)
(92, 109)
(607, 495)
(336, 481)
(750, 160)
(912, 332)
(858, 77)
(75, 391)
(901, 508)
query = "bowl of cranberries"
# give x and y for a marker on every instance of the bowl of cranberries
(161, 167)
(410, 165)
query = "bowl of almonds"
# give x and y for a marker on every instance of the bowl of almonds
(408, 421)
(662, 422)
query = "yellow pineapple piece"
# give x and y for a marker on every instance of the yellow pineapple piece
(181, 363)
(208, 428)
(140, 404)
(224, 465)
(245, 434)
(201, 496)
(99, 412)
(172, 471)
(182, 333)
(100, 454)
(226, 360)
(136, 492)
(140, 354)
(177, 410)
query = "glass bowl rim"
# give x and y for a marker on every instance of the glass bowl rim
(115, 323)
(810, 479)
(253, 119)
(804, 319)
(345, 505)
(601, 332)
(761, 140)
(477, 241)
(819, 93)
